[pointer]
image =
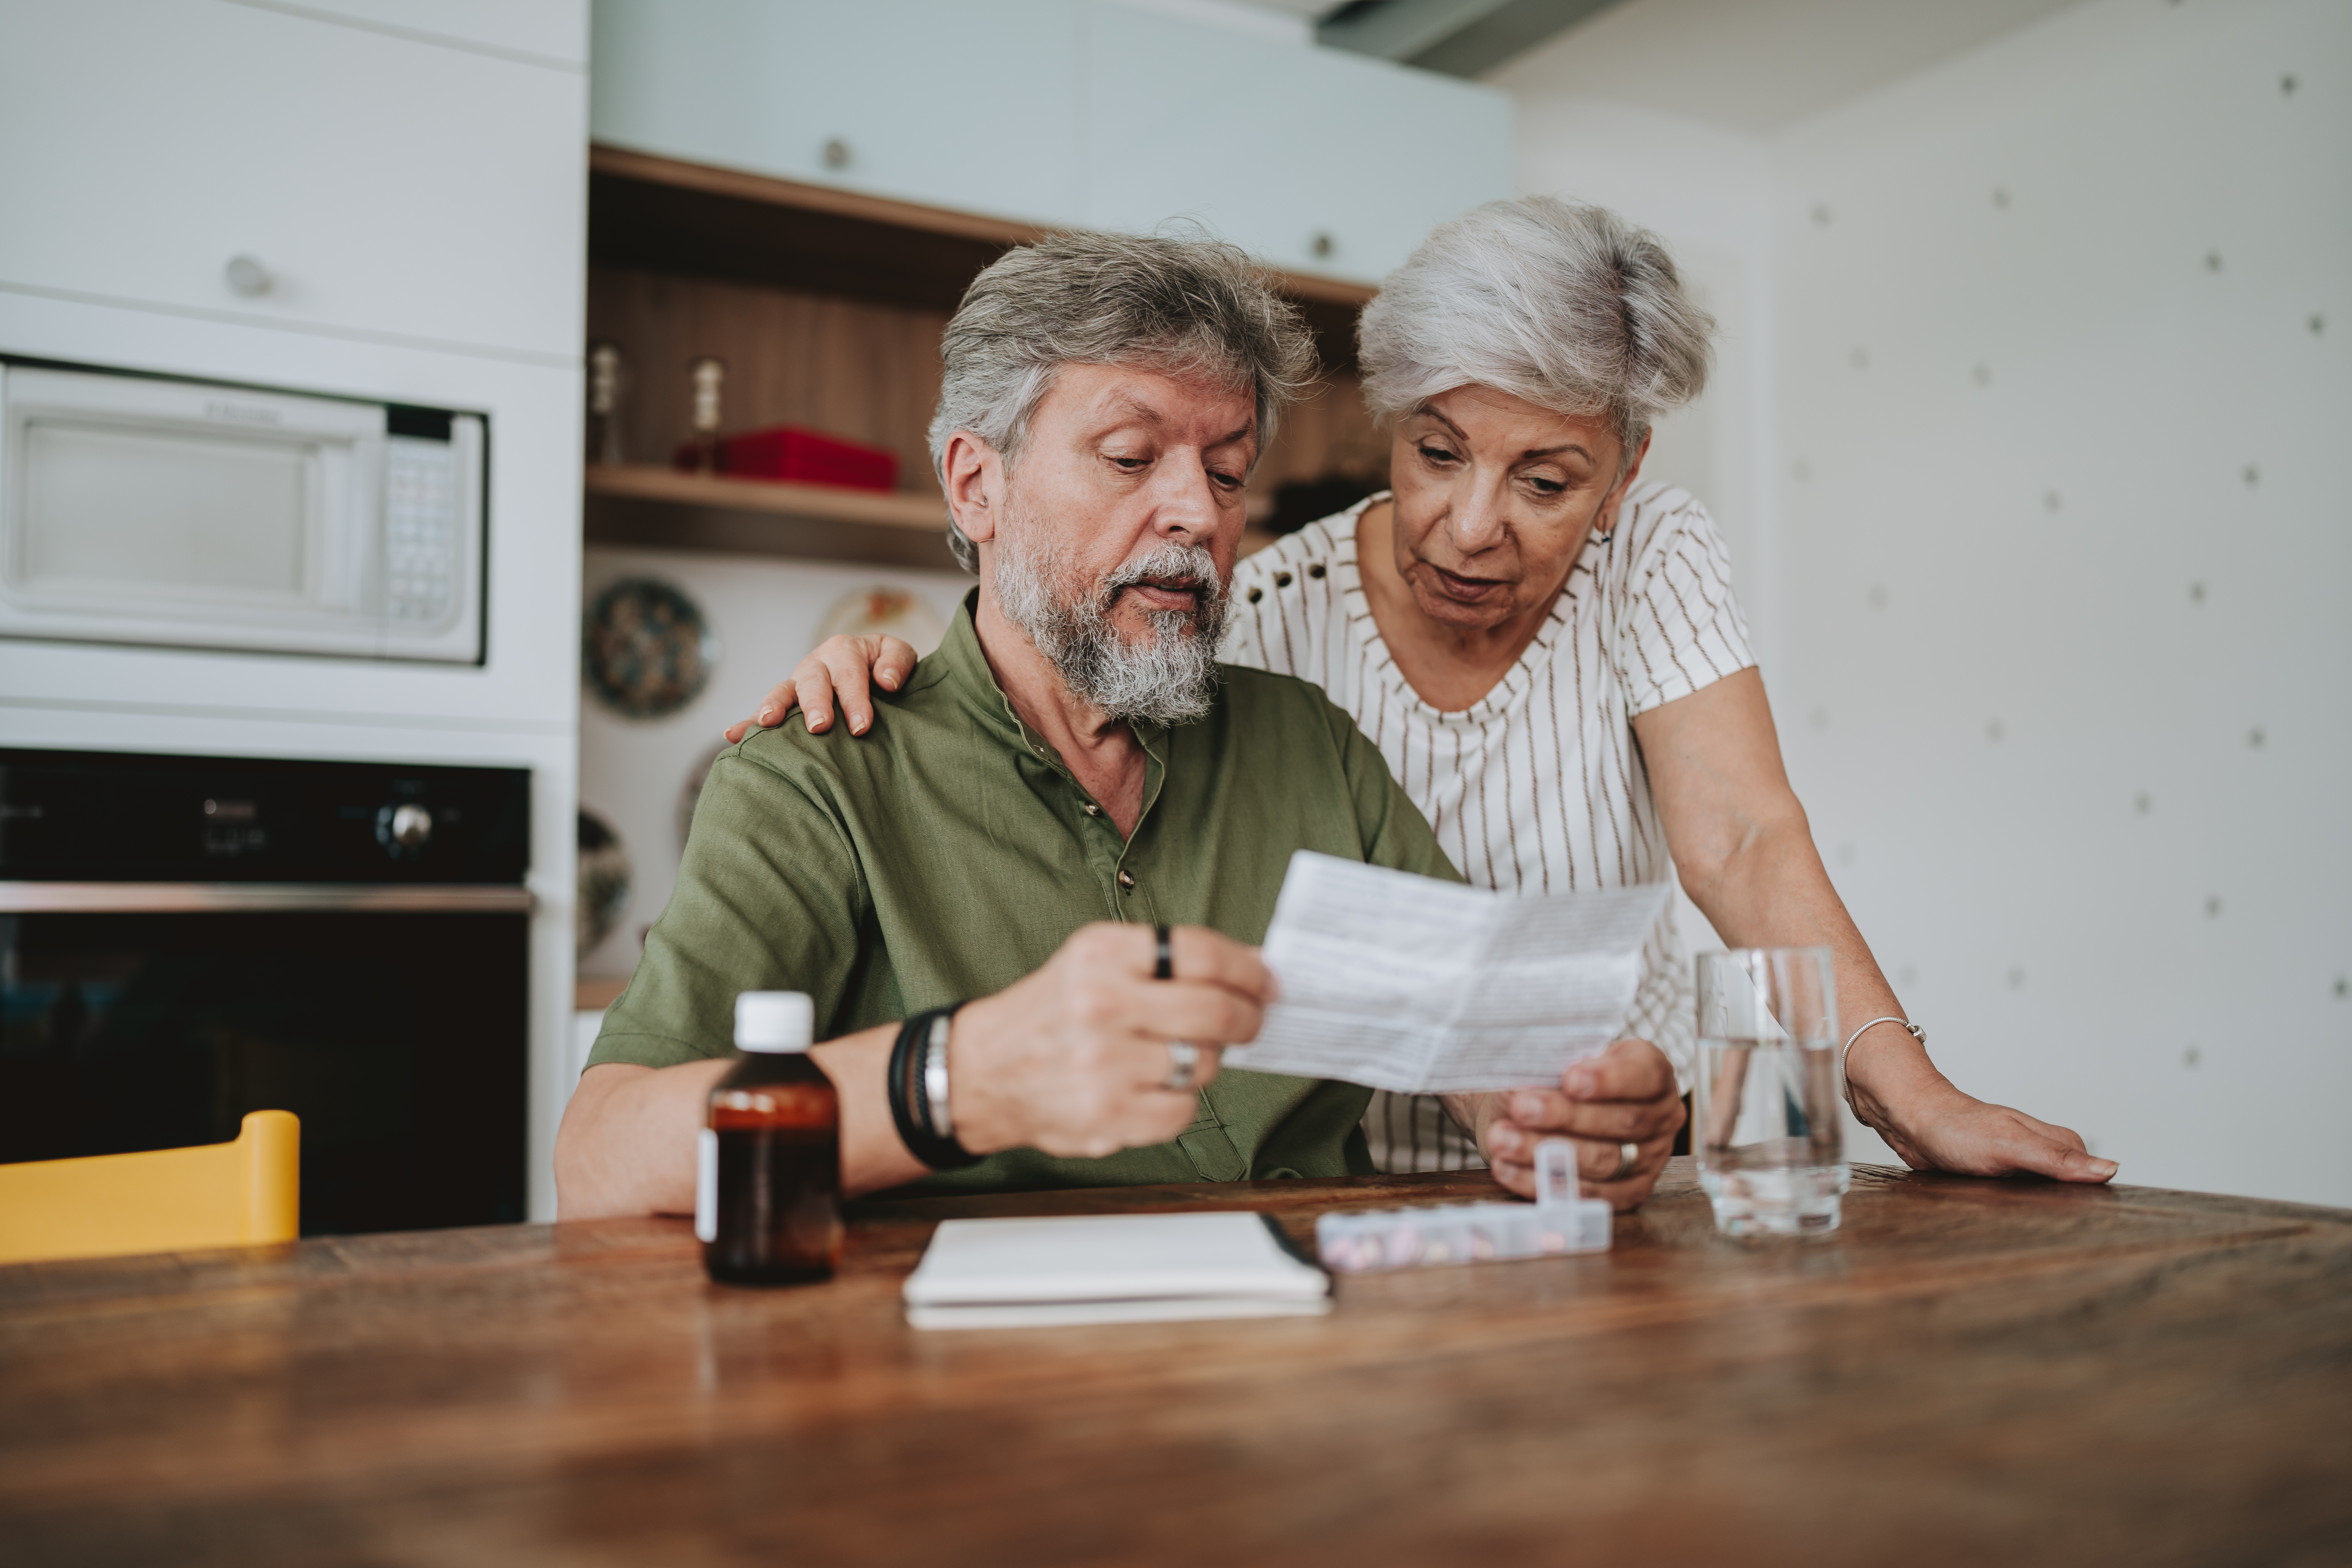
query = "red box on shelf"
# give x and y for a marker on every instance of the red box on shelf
(806, 457)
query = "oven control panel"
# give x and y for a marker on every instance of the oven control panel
(83, 816)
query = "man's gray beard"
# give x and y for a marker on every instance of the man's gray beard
(1168, 678)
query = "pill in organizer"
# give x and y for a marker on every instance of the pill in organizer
(1558, 1221)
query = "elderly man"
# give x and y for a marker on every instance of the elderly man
(1070, 775)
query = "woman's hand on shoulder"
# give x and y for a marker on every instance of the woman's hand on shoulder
(841, 674)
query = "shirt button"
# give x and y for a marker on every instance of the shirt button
(1127, 880)
(1091, 809)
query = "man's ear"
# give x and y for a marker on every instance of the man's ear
(975, 485)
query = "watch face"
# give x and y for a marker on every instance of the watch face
(645, 649)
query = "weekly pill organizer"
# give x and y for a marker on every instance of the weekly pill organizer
(1558, 1222)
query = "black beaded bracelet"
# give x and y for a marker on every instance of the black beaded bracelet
(910, 1103)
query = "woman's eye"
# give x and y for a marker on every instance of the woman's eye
(1225, 481)
(1544, 487)
(1436, 455)
(1131, 465)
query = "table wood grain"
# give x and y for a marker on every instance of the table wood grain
(1968, 1372)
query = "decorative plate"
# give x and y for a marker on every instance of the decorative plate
(604, 893)
(882, 609)
(647, 651)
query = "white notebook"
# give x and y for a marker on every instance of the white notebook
(1109, 1268)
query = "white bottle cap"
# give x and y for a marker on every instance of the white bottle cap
(773, 1020)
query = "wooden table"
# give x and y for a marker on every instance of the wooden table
(1970, 1371)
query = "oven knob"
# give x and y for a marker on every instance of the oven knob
(406, 827)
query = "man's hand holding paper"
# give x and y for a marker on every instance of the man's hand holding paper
(1412, 984)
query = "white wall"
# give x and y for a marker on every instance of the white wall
(2029, 744)
(765, 614)
(2054, 506)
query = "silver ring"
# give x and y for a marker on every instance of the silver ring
(1183, 1060)
(1627, 1154)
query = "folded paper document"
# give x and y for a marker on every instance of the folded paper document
(1109, 1268)
(1415, 985)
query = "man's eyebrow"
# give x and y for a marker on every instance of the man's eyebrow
(1130, 406)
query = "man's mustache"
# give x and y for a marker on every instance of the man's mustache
(1170, 565)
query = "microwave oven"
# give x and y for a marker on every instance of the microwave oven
(154, 509)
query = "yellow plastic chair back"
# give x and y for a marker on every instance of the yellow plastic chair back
(164, 1200)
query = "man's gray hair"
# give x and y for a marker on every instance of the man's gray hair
(1183, 304)
(1565, 305)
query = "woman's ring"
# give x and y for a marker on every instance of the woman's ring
(1626, 1154)
(1183, 1059)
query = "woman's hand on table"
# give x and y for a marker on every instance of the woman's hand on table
(842, 673)
(1936, 1126)
(1625, 1095)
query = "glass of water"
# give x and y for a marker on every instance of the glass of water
(1768, 1136)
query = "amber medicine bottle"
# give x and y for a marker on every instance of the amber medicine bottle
(767, 1201)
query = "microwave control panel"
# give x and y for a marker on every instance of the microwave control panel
(425, 536)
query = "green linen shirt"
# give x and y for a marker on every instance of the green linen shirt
(947, 852)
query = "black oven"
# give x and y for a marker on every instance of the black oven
(186, 939)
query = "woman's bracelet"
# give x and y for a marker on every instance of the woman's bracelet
(1916, 1033)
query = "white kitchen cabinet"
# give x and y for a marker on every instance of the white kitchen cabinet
(373, 183)
(1087, 112)
(545, 31)
(1314, 159)
(964, 106)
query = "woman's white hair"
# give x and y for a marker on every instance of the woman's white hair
(1565, 305)
(1181, 303)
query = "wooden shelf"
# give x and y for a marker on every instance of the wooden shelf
(827, 306)
(817, 503)
(712, 179)
(664, 509)
(594, 993)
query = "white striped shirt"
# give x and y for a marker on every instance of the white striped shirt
(1540, 787)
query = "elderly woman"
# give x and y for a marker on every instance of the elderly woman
(1549, 653)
